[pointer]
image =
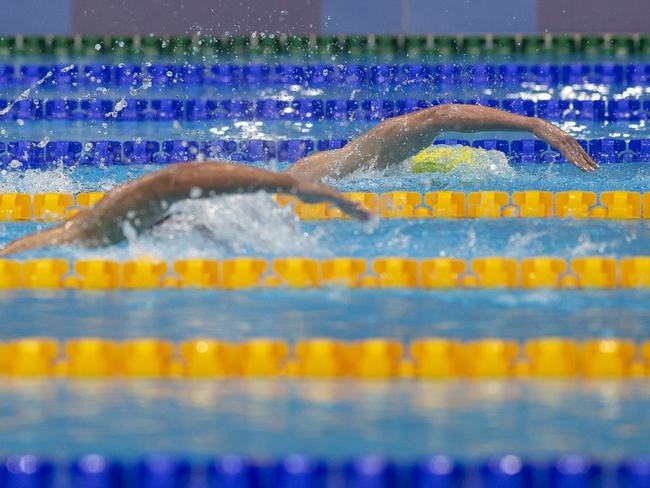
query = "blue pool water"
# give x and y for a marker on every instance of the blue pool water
(333, 420)
(219, 235)
(403, 315)
(273, 418)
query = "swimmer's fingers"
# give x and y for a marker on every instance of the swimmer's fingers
(353, 209)
(310, 192)
(568, 146)
(574, 153)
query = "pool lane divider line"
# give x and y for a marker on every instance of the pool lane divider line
(428, 358)
(242, 273)
(311, 109)
(421, 75)
(330, 47)
(174, 471)
(341, 46)
(614, 205)
(29, 154)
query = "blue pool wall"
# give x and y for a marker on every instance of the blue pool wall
(172, 17)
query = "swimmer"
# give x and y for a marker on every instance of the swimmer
(143, 203)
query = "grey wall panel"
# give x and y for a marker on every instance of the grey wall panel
(472, 16)
(176, 17)
(363, 16)
(594, 15)
(35, 17)
(333, 16)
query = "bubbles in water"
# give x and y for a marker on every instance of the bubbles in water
(521, 244)
(587, 247)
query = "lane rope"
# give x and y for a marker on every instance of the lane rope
(308, 109)
(617, 205)
(342, 46)
(592, 272)
(413, 75)
(300, 470)
(30, 154)
(428, 358)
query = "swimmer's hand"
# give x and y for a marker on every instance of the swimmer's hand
(310, 192)
(567, 145)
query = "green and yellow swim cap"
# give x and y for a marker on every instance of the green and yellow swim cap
(442, 159)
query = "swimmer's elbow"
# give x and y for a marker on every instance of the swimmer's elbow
(444, 117)
(433, 118)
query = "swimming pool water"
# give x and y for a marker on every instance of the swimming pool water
(331, 420)
(336, 419)
(203, 232)
(335, 312)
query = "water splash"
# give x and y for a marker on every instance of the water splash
(461, 161)
(486, 165)
(62, 179)
(25, 94)
(521, 243)
(588, 246)
(58, 180)
(120, 105)
(224, 226)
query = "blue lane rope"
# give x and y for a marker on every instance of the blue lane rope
(380, 75)
(174, 471)
(33, 154)
(308, 109)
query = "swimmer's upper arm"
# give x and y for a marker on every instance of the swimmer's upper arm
(333, 163)
(390, 142)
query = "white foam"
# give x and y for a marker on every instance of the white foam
(37, 181)
(587, 247)
(485, 163)
(520, 244)
(491, 164)
(223, 226)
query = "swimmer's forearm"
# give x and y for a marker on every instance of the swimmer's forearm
(473, 118)
(196, 180)
(201, 180)
(54, 236)
(143, 202)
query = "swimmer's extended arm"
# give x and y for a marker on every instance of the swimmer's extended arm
(399, 138)
(141, 203)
